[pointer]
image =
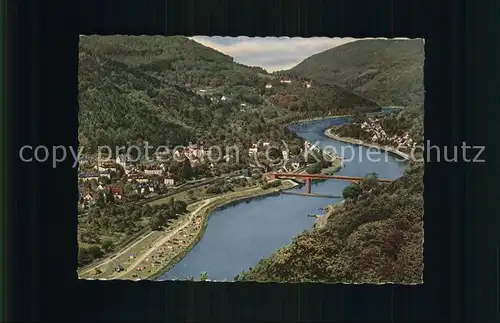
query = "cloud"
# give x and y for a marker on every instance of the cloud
(270, 53)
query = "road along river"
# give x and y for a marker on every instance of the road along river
(240, 235)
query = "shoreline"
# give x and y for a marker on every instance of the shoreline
(336, 116)
(206, 212)
(359, 142)
(318, 119)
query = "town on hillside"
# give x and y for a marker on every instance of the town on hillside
(124, 180)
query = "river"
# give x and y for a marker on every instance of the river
(240, 235)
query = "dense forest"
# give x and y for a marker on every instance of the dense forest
(388, 72)
(173, 90)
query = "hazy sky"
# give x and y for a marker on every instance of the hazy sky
(270, 53)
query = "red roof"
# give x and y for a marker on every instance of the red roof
(116, 189)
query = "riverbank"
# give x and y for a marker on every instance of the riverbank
(200, 222)
(392, 150)
(337, 116)
(319, 119)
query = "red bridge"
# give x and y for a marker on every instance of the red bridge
(309, 177)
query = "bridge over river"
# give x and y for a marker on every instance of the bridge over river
(309, 177)
(239, 236)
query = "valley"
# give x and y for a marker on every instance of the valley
(159, 216)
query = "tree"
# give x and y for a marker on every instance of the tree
(146, 210)
(110, 198)
(370, 181)
(128, 188)
(95, 251)
(107, 245)
(157, 221)
(89, 237)
(204, 276)
(100, 201)
(314, 168)
(84, 256)
(352, 191)
(184, 169)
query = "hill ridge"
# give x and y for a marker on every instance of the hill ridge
(390, 72)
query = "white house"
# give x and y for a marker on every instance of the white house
(130, 169)
(153, 170)
(106, 173)
(285, 154)
(268, 86)
(107, 166)
(122, 160)
(252, 151)
(141, 179)
(88, 176)
(83, 160)
(161, 156)
(169, 181)
(223, 98)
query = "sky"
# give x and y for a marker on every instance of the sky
(270, 53)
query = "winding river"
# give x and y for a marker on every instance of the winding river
(240, 235)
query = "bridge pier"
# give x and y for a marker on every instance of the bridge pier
(308, 184)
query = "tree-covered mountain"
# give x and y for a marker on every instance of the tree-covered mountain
(175, 90)
(389, 72)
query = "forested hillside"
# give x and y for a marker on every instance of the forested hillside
(389, 72)
(409, 122)
(376, 236)
(175, 90)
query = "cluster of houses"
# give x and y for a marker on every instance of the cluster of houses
(197, 154)
(255, 148)
(87, 196)
(373, 127)
(194, 153)
(146, 180)
(289, 162)
(286, 81)
(104, 170)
